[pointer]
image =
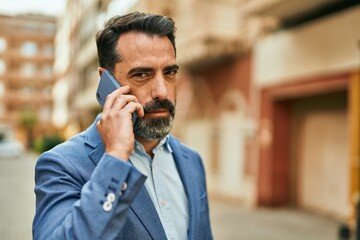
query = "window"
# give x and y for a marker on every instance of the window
(28, 69)
(47, 71)
(32, 27)
(47, 92)
(2, 66)
(49, 28)
(27, 90)
(29, 49)
(48, 50)
(2, 44)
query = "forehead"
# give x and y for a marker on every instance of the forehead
(136, 47)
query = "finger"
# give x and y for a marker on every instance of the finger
(111, 98)
(132, 107)
(122, 100)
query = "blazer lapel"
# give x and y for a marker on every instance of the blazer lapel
(146, 212)
(188, 175)
(92, 138)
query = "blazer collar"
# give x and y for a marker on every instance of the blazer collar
(92, 138)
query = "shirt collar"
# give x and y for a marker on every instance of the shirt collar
(164, 143)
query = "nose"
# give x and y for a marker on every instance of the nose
(159, 88)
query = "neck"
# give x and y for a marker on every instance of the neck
(148, 145)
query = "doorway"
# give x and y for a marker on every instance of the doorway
(319, 166)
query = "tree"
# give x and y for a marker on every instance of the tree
(28, 121)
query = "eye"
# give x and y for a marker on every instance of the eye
(171, 73)
(140, 75)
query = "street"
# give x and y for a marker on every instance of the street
(228, 222)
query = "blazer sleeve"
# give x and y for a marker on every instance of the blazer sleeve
(71, 207)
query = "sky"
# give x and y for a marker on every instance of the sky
(46, 7)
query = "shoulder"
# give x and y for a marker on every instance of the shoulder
(71, 157)
(186, 152)
(176, 142)
(73, 147)
(78, 146)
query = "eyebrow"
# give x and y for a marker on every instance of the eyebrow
(172, 67)
(140, 69)
(149, 69)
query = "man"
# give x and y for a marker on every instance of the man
(116, 180)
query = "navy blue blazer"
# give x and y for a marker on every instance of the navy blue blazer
(73, 182)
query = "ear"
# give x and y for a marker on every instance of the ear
(101, 70)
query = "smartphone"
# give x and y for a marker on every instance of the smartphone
(107, 85)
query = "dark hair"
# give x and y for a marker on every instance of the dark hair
(107, 38)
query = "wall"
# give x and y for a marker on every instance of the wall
(325, 46)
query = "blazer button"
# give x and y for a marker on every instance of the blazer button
(124, 186)
(110, 197)
(107, 206)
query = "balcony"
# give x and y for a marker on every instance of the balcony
(17, 80)
(15, 99)
(40, 58)
(213, 30)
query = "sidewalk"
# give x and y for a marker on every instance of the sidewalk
(232, 223)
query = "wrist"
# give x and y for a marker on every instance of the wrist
(124, 156)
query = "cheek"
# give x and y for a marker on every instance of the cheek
(142, 96)
(172, 91)
(143, 93)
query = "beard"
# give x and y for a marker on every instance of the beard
(155, 128)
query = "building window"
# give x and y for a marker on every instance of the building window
(48, 50)
(2, 66)
(28, 69)
(32, 27)
(27, 91)
(2, 44)
(47, 71)
(47, 92)
(29, 49)
(49, 29)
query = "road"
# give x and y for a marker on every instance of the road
(229, 222)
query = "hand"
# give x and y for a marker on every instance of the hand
(115, 125)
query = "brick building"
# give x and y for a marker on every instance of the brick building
(26, 73)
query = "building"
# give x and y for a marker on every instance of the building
(26, 74)
(269, 94)
(309, 114)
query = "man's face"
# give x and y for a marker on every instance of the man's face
(149, 67)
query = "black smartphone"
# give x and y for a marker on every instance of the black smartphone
(107, 85)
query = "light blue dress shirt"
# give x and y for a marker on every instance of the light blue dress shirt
(165, 188)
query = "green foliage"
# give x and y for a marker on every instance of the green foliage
(28, 118)
(47, 142)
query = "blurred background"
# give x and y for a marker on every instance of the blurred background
(269, 94)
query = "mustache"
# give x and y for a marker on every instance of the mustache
(157, 104)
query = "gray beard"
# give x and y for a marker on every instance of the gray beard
(153, 128)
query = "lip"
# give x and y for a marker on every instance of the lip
(158, 113)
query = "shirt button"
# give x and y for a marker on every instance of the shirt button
(110, 197)
(107, 206)
(138, 147)
(163, 203)
(124, 186)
